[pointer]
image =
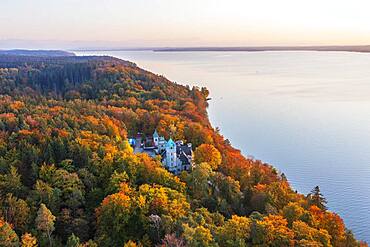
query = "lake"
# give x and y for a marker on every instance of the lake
(306, 113)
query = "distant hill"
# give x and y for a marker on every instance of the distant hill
(43, 53)
(14, 61)
(352, 48)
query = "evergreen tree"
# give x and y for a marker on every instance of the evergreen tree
(10, 182)
(316, 198)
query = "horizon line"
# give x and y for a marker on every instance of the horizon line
(347, 48)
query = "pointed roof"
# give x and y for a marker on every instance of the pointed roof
(185, 160)
(170, 143)
(186, 149)
(155, 134)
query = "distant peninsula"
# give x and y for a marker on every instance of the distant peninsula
(39, 53)
(352, 48)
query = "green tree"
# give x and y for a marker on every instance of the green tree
(317, 199)
(73, 241)
(225, 195)
(235, 232)
(293, 211)
(115, 216)
(15, 211)
(116, 179)
(302, 231)
(198, 179)
(48, 195)
(71, 187)
(10, 182)
(198, 236)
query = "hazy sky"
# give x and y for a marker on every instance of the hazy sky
(184, 22)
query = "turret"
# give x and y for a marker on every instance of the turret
(155, 138)
(171, 157)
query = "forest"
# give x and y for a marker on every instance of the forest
(68, 176)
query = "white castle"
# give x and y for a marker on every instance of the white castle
(175, 156)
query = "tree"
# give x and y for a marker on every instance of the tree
(209, 154)
(89, 243)
(71, 187)
(45, 221)
(293, 211)
(316, 198)
(163, 201)
(225, 195)
(170, 240)
(114, 217)
(271, 231)
(8, 237)
(10, 182)
(73, 241)
(115, 180)
(28, 240)
(130, 243)
(156, 221)
(15, 211)
(235, 232)
(331, 222)
(198, 236)
(197, 180)
(129, 214)
(308, 235)
(197, 134)
(48, 195)
(350, 239)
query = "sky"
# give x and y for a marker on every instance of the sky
(163, 23)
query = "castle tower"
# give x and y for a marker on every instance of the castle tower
(171, 157)
(155, 138)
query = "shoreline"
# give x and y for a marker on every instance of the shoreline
(364, 48)
(349, 48)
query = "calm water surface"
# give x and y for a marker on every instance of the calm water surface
(307, 113)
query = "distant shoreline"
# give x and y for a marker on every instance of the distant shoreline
(347, 48)
(363, 48)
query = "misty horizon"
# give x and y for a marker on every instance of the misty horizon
(11, 44)
(70, 24)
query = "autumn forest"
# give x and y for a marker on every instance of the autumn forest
(69, 177)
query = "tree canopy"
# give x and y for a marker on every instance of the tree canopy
(68, 176)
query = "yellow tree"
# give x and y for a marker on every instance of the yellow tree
(293, 211)
(198, 236)
(235, 232)
(304, 234)
(209, 154)
(272, 231)
(45, 221)
(7, 235)
(28, 240)
(115, 215)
